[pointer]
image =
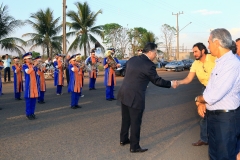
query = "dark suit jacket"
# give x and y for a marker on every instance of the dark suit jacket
(139, 71)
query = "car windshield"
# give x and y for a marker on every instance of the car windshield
(122, 62)
(174, 62)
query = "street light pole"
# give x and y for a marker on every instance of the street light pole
(64, 27)
(177, 14)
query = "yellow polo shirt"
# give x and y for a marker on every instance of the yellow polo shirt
(203, 70)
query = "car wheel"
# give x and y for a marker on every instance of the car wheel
(176, 69)
(182, 69)
(123, 73)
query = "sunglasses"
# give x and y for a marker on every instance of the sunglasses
(204, 68)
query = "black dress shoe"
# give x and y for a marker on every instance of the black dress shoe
(94, 89)
(90, 89)
(73, 107)
(30, 117)
(41, 102)
(18, 98)
(138, 150)
(109, 99)
(124, 143)
(113, 99)
(77, 106)
(34, 116)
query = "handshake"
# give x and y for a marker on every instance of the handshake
(175, 83)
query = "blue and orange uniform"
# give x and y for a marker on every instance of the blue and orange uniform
(1, 67)
(40, 70)
(75, 83)
(58, 74)
(31, 87)
(109, 77)
(92, 61)
(17, 79)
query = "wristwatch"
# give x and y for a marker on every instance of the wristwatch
(196, 99)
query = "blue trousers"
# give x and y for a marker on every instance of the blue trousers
(17, 95)
(75, 98)
(30, 106)
(203, 126)
(92, 83)
(109, 92)
(41, 96)
(59, 89)
(203, 129)
(224, 131)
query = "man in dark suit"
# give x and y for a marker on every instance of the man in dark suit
(139, 71)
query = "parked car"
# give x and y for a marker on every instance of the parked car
(163, 64)
(175, 66)
(121, 70)
(187, 63)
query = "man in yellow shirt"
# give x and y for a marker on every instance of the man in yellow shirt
(202, 68)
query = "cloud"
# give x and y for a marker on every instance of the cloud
(206, 12)
(235, 32)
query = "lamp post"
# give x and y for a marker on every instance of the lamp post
(64, 27)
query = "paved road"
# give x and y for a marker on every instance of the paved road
(170, 125)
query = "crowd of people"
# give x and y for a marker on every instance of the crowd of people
(218, 102)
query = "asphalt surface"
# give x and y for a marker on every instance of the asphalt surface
(170, 125)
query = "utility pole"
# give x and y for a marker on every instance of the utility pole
(177, 14)
(64, 27)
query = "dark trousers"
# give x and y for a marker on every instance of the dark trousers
(41, 96)
(30, 106)
(7, 71)
(224, 131)
(17, 95)
(75, 98)
(92, 83)
(59, 89)
(67, 75)
(131, 118)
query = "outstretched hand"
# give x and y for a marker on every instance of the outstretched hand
(175, 83)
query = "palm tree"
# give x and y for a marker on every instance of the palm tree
(46, 28)
(7, 25)
(147, 37)
(83, 27)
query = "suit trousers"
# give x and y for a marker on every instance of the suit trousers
(224, 131)
(131, 117)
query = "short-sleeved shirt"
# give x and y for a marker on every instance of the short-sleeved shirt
(203, 70)
(7, 62)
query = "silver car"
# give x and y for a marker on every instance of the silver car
(175, 66)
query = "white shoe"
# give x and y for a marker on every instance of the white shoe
(82, 95)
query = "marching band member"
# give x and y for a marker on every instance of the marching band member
(40, 70)
(1, 67)
(17, 79)
(110, 64)
(58, 74)
(92, 61)
(76, 81)
(31, 87)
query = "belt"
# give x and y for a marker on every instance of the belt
(222, 111)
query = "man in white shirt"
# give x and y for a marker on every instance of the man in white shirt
(7, 63)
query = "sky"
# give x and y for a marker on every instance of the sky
(204, 16)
